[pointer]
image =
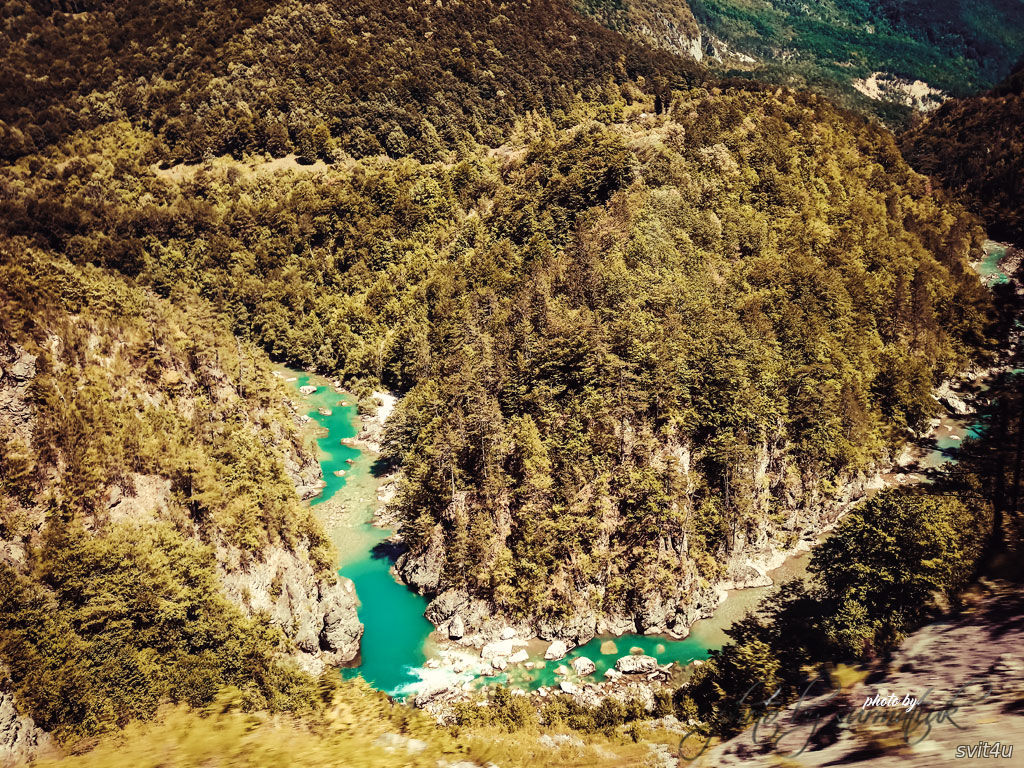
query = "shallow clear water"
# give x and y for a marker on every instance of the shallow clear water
(395, 630)
(988, 267)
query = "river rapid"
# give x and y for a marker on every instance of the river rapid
(401, 656)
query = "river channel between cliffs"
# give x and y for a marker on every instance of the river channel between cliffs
(400, 653)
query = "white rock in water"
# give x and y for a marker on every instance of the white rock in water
(562, 670)
(568, 687)
(508, 633)
(612, 674)
(307, 389)
(518, 657)
(456, 629)
(955, 404)
(499, 663)
(499, 648)
(632, 665)
(584, 666)
(556, 650)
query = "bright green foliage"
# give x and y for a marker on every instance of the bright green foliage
(890, 561)
(957, 46)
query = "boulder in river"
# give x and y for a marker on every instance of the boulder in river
(634, 665)
(499, 663)
(519, 657)
(307, 389)
(584, 666)
(556, 650)
(498, 648)
(955, 404)
(324, 411)
(571, 688)
(456, 629)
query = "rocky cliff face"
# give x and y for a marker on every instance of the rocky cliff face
(319, 614)
(787, 513)
(20, 739)
(316, 611)
(665, 24)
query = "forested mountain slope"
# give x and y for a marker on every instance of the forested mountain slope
(152, 545)
(955, 46)
(634, 353)
(975, 147)
(226, 78)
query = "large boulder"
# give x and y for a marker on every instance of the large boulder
(654, 612)
(579, 628)
(456, 628)
(616, 624)
(474, 612)
(556, 650)
(584, 666)
(955, 404)
(635, 665)
(503, 648)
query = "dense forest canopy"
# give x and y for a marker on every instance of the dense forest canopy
(628, 346)
(975, 147)
(227, 78)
